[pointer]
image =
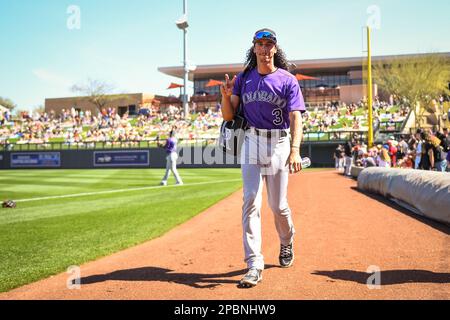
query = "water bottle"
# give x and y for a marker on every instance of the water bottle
(306, 162)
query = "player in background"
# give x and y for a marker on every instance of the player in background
(171, 158)
(273, 106)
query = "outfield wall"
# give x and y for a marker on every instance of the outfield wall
(321, 155)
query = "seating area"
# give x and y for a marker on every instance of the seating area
(354, 117)
(70, 127)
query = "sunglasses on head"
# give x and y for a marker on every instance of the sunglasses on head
(264, 35)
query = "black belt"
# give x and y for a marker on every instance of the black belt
(269, 134)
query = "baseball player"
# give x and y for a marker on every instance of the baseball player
(273, 104)
(172, 156)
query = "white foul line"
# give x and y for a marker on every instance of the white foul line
(123, 190)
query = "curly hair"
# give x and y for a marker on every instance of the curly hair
(280, 60)
(435, 141)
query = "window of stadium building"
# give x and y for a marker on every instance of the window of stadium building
(132, 110)
(200, 88)
(327, 81)
(356, 81)
(122, 110)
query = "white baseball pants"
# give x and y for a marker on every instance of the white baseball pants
(264, 159)
(171, 165)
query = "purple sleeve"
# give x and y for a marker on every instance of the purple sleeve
(237, 85)
(295, 100)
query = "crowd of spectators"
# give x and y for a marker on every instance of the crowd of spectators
(348, 117)
(72, 126)
(425, 150)
(5, 116)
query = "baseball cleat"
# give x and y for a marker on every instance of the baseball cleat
(163, 183)
(252, 277)
(286, 256)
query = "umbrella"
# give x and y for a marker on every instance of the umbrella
(213, 83)
(304, 77)
(175, 85)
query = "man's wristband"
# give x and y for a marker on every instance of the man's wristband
(295, 147)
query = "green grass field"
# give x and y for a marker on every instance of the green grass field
(42, 237)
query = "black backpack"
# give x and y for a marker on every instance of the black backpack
(440, 154)
(446, 144)
(232, 132)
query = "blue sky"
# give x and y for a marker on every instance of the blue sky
(123, 42)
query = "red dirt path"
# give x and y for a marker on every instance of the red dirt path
(340, 233)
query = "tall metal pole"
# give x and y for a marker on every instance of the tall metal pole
(369, 89)
(186, 71)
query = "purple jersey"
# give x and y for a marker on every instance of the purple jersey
(268, 99)
(171, 145)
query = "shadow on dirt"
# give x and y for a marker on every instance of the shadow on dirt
(195, 280)
(388, 277)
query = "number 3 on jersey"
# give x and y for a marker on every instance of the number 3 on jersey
(278, 114)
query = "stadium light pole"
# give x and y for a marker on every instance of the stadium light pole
(369, 90)
(182, 24)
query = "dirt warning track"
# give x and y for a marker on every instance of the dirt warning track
(342, 237)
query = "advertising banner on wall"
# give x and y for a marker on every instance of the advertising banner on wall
(36, 160)
(121, 158)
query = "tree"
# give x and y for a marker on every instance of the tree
(39, 109)
(98, 93)
(7, 103)
(417, 80)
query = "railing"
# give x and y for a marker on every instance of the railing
(100, 145)
(391, 127)
(335, 136)
(310, 137)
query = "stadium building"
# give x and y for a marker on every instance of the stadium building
(321, 80)
(122, 103)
